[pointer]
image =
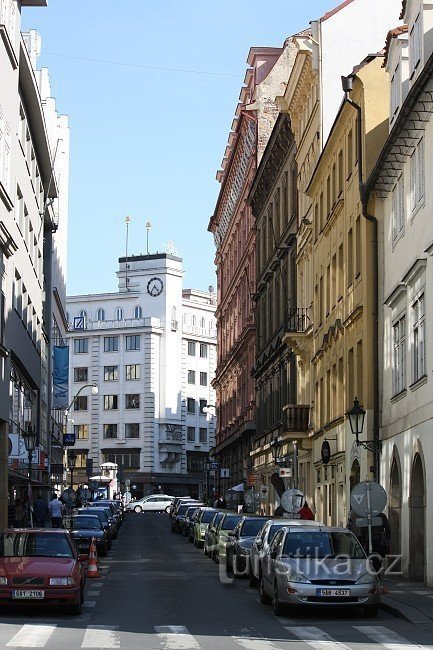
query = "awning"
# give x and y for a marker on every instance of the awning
(237, 488)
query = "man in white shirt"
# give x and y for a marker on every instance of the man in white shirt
(56, 509)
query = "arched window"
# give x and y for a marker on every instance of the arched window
(211, 325)
(173, 313)
(193, 321)
(83, 314)
(138, 312)
(202, 323)
(100, 315)
(118, 314)
(185, 319)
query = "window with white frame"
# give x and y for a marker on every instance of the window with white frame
(415, 44)
(138, 312)
(191, 376)
(133, 342)
(118, 314)
(5, 148)
(418, 337)
(399, 355)
(191, 434)
(398, 209)
(417, 175)
(395, 91)
(100, 315)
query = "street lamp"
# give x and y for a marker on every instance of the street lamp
(356, 417)
(94, 392)
(29, 436)
(72, 459)
(276, 446)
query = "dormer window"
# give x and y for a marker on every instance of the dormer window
(100, 316)
(395, 91)
(118, 314)
(415, 45)
(138, 312)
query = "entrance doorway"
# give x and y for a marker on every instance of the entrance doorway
(417, 521)
(355, 474)
(395, 507)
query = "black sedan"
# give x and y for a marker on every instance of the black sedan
(239, 543)
(107, 525)
(86, 527)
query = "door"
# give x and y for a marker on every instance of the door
(395, 507)
(417, 521)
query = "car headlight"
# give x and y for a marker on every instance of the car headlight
(292, 576)
(365, 579)
(244, 550)
(61, 582)
(3, 580)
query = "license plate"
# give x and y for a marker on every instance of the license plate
(28, 593)
(329, 593)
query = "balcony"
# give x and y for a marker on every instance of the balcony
(299, 332)
(296, 423)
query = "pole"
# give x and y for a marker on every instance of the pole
(30, 452)
(370, 541)
(72, 478)
(295, 463)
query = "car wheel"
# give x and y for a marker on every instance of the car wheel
(138, 509)
(263, 596)
(276, 605)
(252, 580)
(371, 611)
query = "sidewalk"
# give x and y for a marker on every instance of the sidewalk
(409, 600)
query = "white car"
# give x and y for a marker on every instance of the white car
(151, 503)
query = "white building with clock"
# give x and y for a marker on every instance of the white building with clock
(150, 348)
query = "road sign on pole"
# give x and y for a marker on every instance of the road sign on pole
(368, 499)
(292, 501)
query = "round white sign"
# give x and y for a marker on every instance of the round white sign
(292, 500)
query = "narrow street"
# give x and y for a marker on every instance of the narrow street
(157, 591)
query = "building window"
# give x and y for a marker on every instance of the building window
(118, 314)
(203, 350)
(191, 376)
(81, 374)
(350, 257)
(80, 403)
(203, 404)
(110, 430)
(190, 405)
(399, 356)
(398, 209)
(395, 91)
(133, 342)
(81, 431)
(83, 314)
(110, 402)
(111, 373)
(203, 434)
(132, 401)
(81, 460)
(358, 247)
(100, 315)
(81, 346)
(138, 312)
(417, 175)
(418, 316)
(132, 430)
(415, 44)
(195, 463)
(111, 344)
(191, 434)
(128, 460)
(203, 379)
(132, 371)
(191, 348)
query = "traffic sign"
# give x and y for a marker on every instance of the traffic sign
(363, 522)
(224, 472)
(368, 499)
(69, 496)
(286, 472)
(213, 465)
(292, 500)
(127, 482)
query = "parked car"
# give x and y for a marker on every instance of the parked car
(318, 567)
(179, 516)
(41, 567)
(114, 506)
(210, 534)
(239, 543)
(104, 519)
(114, 514)
(86, 527)
(227, 523)
(175, 503)
(151, 503)
(188, 521)
(261, 543)
(201, 524)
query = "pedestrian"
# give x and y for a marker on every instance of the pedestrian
(223, 502)
(56, 508)
(380, 542)
(305, 512)
(19, 514)
(41, 511)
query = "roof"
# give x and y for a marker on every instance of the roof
(403, 9)
(50, 531)
(341, 6)
(393, 33)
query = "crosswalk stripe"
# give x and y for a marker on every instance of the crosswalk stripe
(254, 644)
(101, 636)
(386, 637)
(317, 638)
(31, 636)
(176, 637)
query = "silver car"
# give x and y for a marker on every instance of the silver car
(318, 567)
(261, 543)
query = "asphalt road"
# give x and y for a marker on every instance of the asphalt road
(157, 591)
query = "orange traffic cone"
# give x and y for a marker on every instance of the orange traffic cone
(92, 566)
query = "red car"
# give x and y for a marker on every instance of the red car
(40, 566)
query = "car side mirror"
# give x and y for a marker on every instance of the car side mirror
(83, 557)
(273, 555)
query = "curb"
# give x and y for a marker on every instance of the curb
(405, 612)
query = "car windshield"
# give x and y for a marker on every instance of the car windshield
(86, 523)
(182, 510)
(190, 512)
(273, 529)
(217, 518)
(207, 516)
(29, 544)
(230, 522)
(322, 544)
(251, 527)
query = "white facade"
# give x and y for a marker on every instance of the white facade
(151, 350)
(404, 206)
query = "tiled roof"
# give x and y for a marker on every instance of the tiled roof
(336, 9)
(403, 9)
(393, 33)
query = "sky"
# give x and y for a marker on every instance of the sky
(150, 88)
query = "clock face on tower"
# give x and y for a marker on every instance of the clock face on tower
(155, 287)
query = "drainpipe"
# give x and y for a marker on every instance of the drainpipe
(347, 83)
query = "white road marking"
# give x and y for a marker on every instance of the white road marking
(176, 637)
(97, 585)
(254, 644)
(93, 593)
(386, 637)
(89, 603)
(32, 636)
(101, 636)
(317, 638)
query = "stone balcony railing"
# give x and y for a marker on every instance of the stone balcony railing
(297, 418)
(299, 332)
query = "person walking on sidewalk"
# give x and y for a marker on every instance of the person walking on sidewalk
(306, 512)
(56, 509)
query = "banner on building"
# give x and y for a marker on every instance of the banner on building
(60, 376)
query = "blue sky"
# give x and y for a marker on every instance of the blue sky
(147, 142)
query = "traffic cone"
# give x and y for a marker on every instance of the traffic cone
(92, 565)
